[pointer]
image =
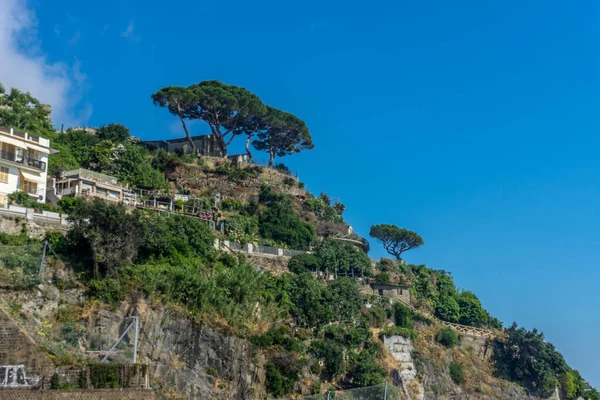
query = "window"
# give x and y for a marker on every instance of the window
(3, 174)
(29, 187)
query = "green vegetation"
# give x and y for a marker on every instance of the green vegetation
(457, 373)
(323, 210)
(112, 150)
(523, 356)
(437, 291)
(171, 260)
(447, 337)
(281, 133)
(395, 240)
(23, 199)
(333, 257)
(279, 222)
(232, 111)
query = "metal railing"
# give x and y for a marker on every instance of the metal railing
(24, 160)
(31, 189)
(90, 175)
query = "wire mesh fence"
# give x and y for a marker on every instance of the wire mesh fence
(20, 266)
(379, 392)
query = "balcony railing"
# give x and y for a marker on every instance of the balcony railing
(23, 160)
(31, 189)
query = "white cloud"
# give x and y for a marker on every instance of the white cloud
(129, 32)
(25, 67)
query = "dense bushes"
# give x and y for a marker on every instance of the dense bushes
(447, 337)
(333, 257)
(437, 288)
(523, 356)
(313, 302)
(112, 151)
(278, 337)
(323, 210)
(332, 352)
(279, 222)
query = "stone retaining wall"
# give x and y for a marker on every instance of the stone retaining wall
(97, 394)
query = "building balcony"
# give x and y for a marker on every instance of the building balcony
(23, 160)
(31, 189)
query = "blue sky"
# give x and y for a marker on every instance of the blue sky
(473, 123)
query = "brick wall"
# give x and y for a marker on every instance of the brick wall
(99, 394)
(17, 348)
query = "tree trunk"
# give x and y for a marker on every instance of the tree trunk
(187, 134)
(271, 157)
(248, 148)
(222, 143)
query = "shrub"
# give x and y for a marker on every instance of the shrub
(278, 337)
(71, 333)
(301, 263)
(447, 309)
(212, 372)
(343, 258)
(282, 168)
(231, 205)
(398, 331)
(471, 311)
(376, 316)
(535, 366)
(280, 223)
(383, 278)
(403, 316)
(457, 373)
(366, 371)
(289, 181)
(332, 352)
(109, 290)
(447, 337)
(282, 374)
(57, 242)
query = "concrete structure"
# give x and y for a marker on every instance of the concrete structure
(83, 182)
(207, 145)
(23, 164)
(89, 394)
(396, 291)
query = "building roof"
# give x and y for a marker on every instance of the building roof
(184, 139)
(385, 286)
(33, 142)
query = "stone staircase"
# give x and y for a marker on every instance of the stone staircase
(400, 348)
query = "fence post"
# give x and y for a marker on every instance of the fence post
(385, 392)
(135, 343)
(43, 260)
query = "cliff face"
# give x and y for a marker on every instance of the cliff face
(423, 369)
(198, 361)
(190, 360)
(184, 357)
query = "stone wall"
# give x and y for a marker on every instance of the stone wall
(13, 225)
(99, 394)
(17, 348)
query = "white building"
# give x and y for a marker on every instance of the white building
(23, 164)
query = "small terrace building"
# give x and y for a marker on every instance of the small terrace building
(86, 183)
(393, 291)
(23, 164)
